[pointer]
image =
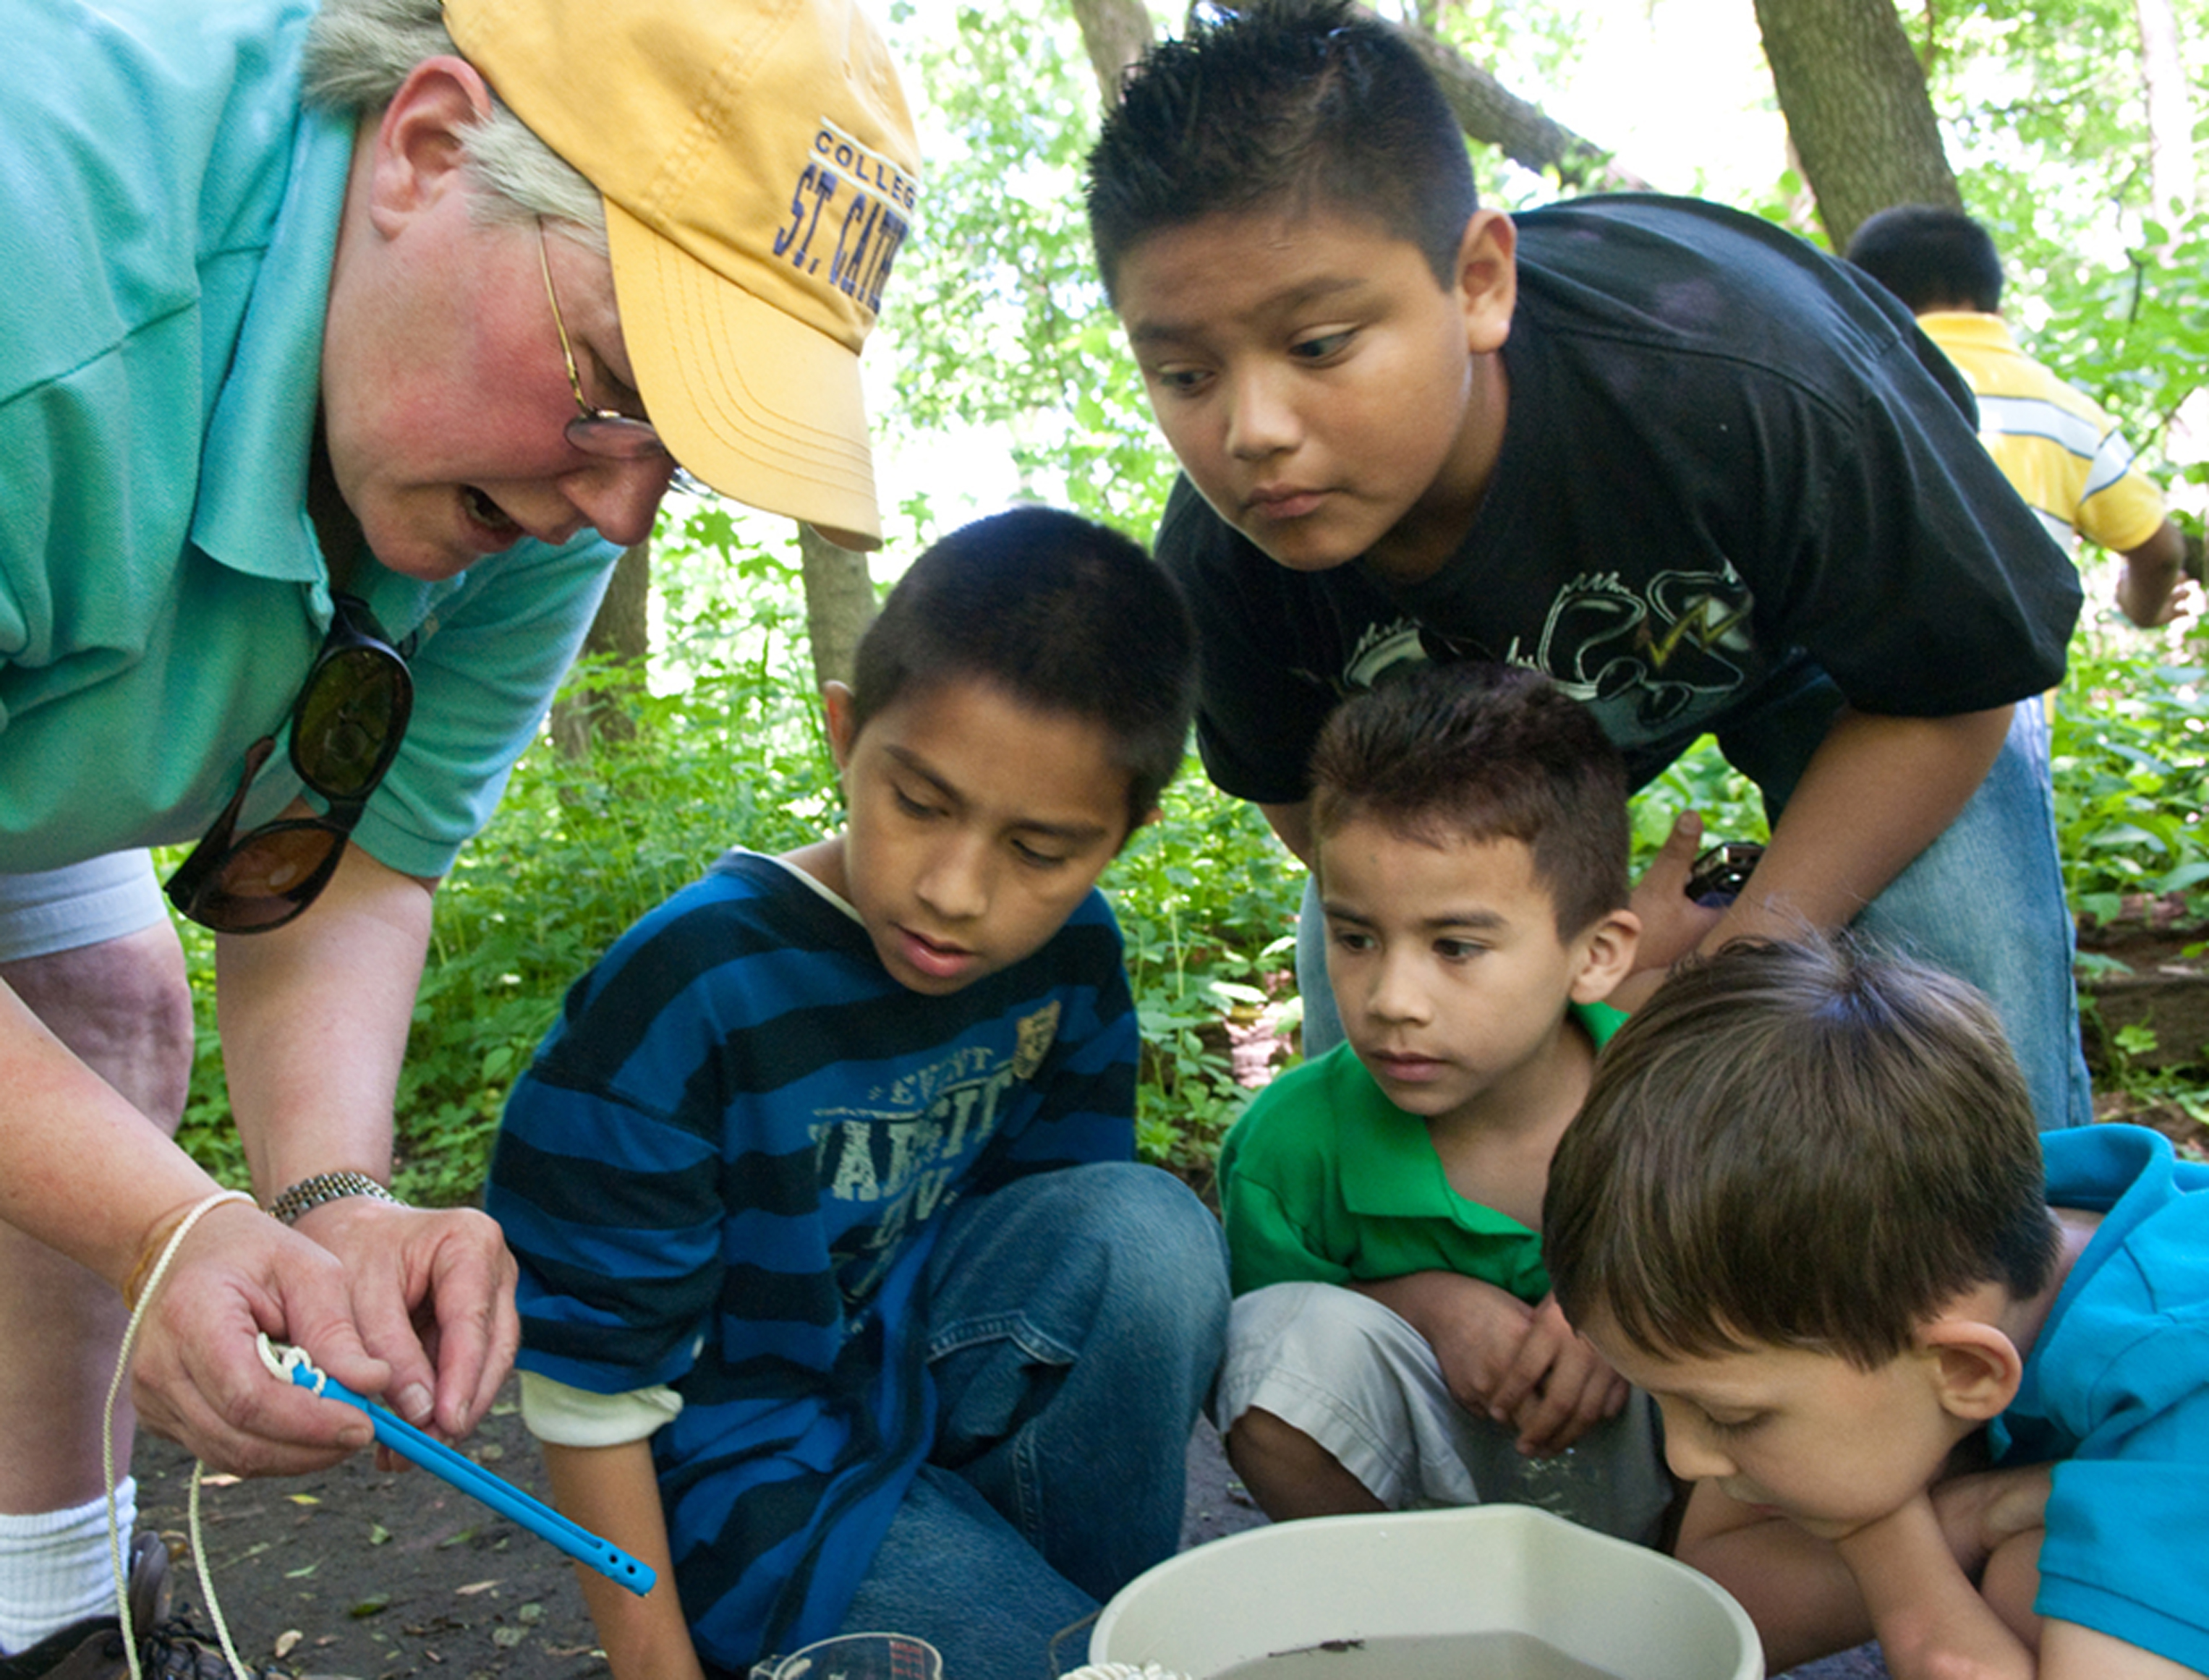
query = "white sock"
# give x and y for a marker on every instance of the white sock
(55, 1568)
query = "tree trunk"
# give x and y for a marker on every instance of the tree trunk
(839, 604)
(1114, 33)
(2170, 112)
(1491, 113)
(622, 628)
(1856, 108)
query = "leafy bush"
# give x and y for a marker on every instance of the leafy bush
(1207, 900)
(2130, 748)
(735, 754)
(580, 847)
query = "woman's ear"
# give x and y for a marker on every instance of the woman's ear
(421, 137)
(1977, 1367)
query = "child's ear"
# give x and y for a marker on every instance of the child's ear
(1977, 1368)
(1607, 950)
(1488, 280)
(836, 700)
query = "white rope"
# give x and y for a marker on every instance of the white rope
(107, 1456)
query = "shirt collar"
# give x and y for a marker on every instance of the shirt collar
(1387, 1160)
(251, 513)
(1972, 326)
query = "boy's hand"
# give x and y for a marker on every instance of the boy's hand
(1557, 1388)
(1980, 1511)
(1672, 924)
(1474, 1327)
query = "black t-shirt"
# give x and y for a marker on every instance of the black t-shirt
(1725, 459)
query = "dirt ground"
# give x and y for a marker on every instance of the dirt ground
(376, 1577)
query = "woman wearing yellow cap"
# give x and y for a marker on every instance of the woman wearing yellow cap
(340, 356)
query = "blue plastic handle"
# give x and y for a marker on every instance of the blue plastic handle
(464, 1473)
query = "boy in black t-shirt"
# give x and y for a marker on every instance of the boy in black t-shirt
(1674, 458)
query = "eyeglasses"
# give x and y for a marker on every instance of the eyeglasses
(346, 725)
(595, 431)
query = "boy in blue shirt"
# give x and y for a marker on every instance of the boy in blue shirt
(844, 1304)
(1699, 474)
(1394, 1343)
(1935, 1379)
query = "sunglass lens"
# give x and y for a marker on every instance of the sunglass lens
(348, 722)
(268, 879)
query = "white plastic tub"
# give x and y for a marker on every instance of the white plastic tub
(1429, 1576)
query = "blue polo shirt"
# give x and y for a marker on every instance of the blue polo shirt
(167, 218)
(2116, 1393)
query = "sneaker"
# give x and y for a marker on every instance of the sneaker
(169, 1648)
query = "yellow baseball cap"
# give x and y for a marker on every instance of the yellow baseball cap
(760, 173)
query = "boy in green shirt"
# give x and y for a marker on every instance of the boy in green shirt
(1393, 1342)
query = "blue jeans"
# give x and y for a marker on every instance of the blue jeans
(1984, 901)
(1076, 1320)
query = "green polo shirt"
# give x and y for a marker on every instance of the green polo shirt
(1324, 1180)
(168, 214)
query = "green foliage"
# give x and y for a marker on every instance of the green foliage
(2129, 741)
(724, 748)
(732, 755)
(1001, 321)
(1699, 781)
(2047, 123)
(1206, 898)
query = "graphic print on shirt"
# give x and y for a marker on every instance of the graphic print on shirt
(1648, 664)
(901, 1157)
(1652, 664)
(1381, 649)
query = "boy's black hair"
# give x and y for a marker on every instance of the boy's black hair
(1449, 753)
(1931, 257)
(1059, 613)
(1297, 103)
(1797, 1145)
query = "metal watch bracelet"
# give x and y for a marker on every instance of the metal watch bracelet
(324, 1187)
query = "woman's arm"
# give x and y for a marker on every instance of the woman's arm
(314, 1018)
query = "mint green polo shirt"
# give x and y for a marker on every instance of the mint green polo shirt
(167, 218)
(1324, 1180)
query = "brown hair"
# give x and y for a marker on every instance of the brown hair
(1483, 752)
(1797, 1145)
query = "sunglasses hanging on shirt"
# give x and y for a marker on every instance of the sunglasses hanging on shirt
(346, 725)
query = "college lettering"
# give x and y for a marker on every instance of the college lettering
(878, 198)
(847, 157)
